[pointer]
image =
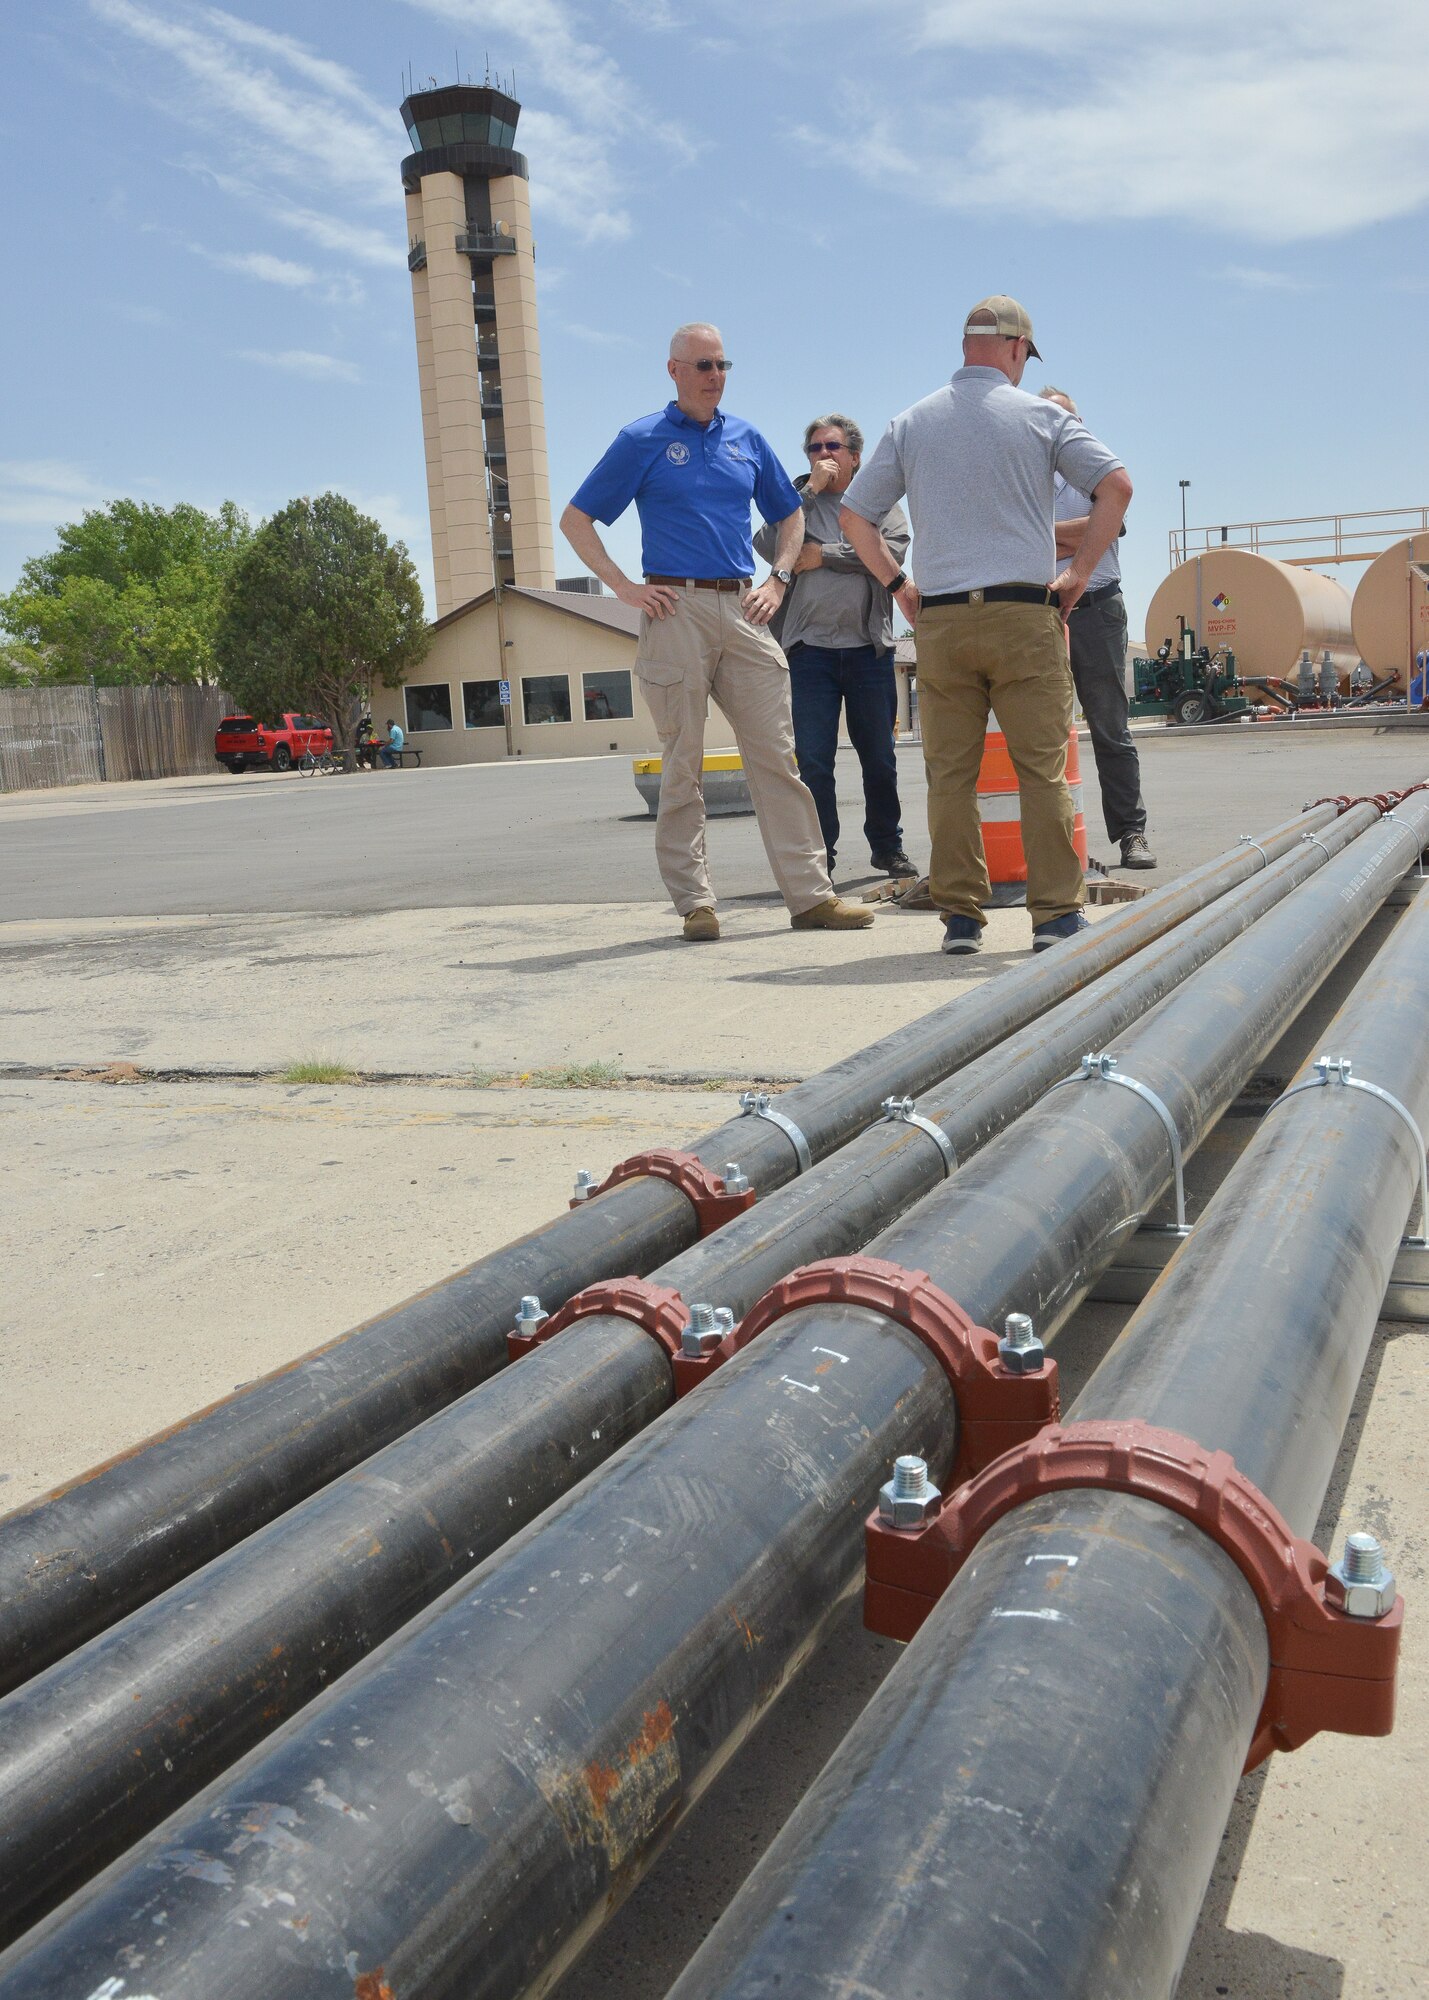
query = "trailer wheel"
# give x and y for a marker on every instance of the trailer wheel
(1191, 706)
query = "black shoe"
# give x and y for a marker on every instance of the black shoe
(1135, 853)
(1056, 928)
(894, 863)
(961, 934)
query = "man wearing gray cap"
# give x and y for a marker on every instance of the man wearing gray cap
(978, 462)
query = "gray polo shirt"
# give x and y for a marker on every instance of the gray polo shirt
(977, 462)
(1070, 505)
(838, 605)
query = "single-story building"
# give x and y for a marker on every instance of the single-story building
(567, 661)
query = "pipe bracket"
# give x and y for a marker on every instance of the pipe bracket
(1246, 841)
(1328, 1671)
(757, 1104)
(657, 1309)
(998, 1407)
(1103, 1068)
(705, 1190)
(903, 1111)
(1405, 827)
(1339, 1070)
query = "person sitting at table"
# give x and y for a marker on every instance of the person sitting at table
(391, 750)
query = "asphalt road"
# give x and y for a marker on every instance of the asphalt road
(560, 832)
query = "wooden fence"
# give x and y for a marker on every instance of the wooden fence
(85, 735)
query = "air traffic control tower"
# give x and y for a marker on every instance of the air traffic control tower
(473, 271)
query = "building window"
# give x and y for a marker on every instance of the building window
(481, 704)
(547, 698)
(607, 696)
(429, 707)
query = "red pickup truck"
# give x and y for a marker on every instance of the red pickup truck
(241, 741)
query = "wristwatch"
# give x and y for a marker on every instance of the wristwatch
(896, 583)
(784, 576)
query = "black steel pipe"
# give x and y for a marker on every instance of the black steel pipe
(79, 1558)
(461, 1812)
(106, 1742)
(1047, 1773)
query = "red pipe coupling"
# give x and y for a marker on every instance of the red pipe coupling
(657, 1309)
(1328, 1671)
(998, 1407)
(707, 1194)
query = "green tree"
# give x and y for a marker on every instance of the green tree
(132, 593)
(318, 608)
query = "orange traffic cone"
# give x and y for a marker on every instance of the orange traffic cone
(1000, 810)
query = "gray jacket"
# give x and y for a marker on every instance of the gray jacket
(839, 604)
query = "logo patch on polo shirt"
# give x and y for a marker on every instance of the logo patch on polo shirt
(734, 451)
(677, 453)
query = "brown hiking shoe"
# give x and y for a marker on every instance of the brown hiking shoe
(701, 926)
(833, 914)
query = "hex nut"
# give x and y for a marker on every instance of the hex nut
(1360, 1600)
(908, 1513)
(1021, 1360)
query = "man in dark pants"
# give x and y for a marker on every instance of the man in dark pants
(1096, 631)
(836, 628)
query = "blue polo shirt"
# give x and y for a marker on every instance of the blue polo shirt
(692, 485)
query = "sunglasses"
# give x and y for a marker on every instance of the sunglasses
(706, 365)
(822, 450)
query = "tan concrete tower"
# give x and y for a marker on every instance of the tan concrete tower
(473, 269)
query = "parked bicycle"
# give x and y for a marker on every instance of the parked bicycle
(319, 762)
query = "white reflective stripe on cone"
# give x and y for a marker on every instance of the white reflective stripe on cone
(1008, 805)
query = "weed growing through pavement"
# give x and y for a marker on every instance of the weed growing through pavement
(316, 1071)
(575, 1076)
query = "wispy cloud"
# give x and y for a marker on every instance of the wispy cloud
(595, 336)
(1280, 122)
(325, 125)
(1252, 278)
(363, 241)
(41, 492)
(343, 290)
(298, 361)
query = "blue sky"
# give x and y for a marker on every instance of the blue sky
(1215, 215)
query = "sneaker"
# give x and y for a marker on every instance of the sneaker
(701, 926)
(894, 863)
(961, 934)
(1135, 853)
(833, 914)
(1057, 928)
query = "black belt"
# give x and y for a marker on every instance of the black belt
(1095, 596)
(997, 593)
(705, 582)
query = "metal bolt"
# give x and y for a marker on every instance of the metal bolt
(910, 1478)
(909, 1498)
(1019, 1350)
(1333, 1068)
(1095, 1065)
(896, 1107)
(586, 1184)
(736, 1181)
(707, 1327)
(1360, 1584)
(753, 1102)
(529, 1315)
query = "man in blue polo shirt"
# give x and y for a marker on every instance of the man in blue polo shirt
(693, 473)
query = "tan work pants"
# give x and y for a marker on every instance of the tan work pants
(702, 650)
(1011, 658)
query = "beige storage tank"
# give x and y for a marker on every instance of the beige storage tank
(1267, 612)
(1391, 608)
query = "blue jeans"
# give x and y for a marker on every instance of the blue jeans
(858, 679)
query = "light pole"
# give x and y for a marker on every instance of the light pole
(1183, 484)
